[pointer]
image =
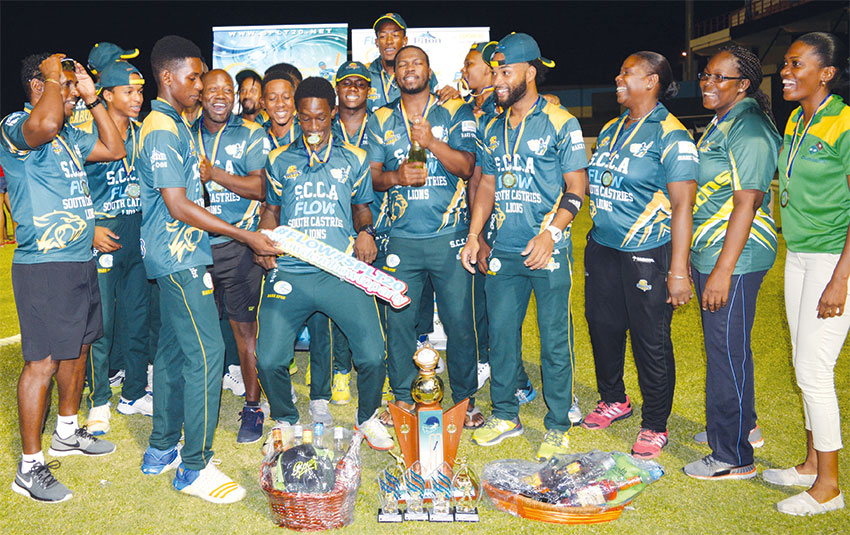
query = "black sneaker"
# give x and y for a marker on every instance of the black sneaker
(709, 467)
(251, 429)
(80, 443)
(40, 485)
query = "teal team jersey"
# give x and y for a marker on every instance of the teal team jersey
(551, 144)
(736, 152)
(239, 148)
(49, 192)
(115, 188)
(293, 133)
(168, 158)
(631, 207)
(379, 205)
(315, 193)
(383, 88)
(438, 207)
(817, 214)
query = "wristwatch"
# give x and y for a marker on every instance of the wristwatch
(556, 233)
(368, 229)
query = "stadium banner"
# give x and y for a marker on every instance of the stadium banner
(316, 49)
(446, 48)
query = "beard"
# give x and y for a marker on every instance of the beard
(250, 106)
(415, 89)
(517, 92)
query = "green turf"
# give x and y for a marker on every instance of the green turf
(112, 496)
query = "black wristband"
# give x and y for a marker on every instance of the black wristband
(368, 229)
(571, 203)
(93, 104)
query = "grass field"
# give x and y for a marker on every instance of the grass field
(112, 496)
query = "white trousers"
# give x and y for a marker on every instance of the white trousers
(816, 343)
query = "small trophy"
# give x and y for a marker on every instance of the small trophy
(389, 492)
(415, 494)
(441, 486)
(467, 492)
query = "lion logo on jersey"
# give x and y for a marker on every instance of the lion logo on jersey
(185, 239)
(398, 207)
(60, 229)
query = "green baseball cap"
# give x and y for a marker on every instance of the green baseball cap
(519, 48)
(118, 73)
(352, 68)
(102, 54)
(392, 17)
(486, 49)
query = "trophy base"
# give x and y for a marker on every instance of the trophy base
(466, 516)
(420, 516)
(390, 516)
(440, 517)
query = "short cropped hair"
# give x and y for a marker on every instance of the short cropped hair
(31, 69)
(315, 87)
(169, 51)
(286, 68)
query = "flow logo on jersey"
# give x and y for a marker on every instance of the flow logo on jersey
(60, 229)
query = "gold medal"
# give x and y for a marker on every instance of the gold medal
(783, 198)
(508, 180)
(133, 190)
(607, 178)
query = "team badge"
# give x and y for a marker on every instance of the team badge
(282, 287)
(208, 280)
(814, 149)
(604, 142)
(393, 260)
(494, 142)
(105, 261)
(643, 285)
(390, 137)
(56, 148)
(495, 265)
(292, 172)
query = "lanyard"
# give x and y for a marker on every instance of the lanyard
(215, 143)
(796, 143)
(128, 168)
(712, 126)
(521, 130)
(386, 86)
(359, 135)
(274, 138)
(615, 150)
(431, 102)
(313, 156)
(70, 152)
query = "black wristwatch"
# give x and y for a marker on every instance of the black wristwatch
(93, 104)
(368, 229)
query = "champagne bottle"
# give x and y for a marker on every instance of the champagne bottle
(417, 153)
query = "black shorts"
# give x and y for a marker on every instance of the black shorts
(58, 308)
(237, 279)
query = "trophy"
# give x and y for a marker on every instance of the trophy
(441, 486)
(428, 435)
(415, 494)
(390, 482)
(467, 492)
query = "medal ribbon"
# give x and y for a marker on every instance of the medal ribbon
(70, 153)
(359, 136)
(712, 126)
(215, 143)
(521, 130)
(797, 143)
(314, 155)
(291, 135)
(615, 150)
(129, 167)
(386, 86)
(431, 102)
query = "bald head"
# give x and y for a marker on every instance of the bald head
(218, 96)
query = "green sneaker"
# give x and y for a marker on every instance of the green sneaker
(554, 443)
(494, 430)
(293, 367)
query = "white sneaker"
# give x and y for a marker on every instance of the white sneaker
(143, 405)
(375, 433)
(232, 380)
(319, 412)
(149, 388)
(98, 421)
(483, 373)
(294, 395)
(117, 379)
(575, 412)
(441, 366)
(211, 484)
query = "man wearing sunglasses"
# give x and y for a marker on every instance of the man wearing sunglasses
(53, 275)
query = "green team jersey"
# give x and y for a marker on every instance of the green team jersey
(81, 114)
(629, 173)
(315, 193)
(239, 148)
(168, 158)
(293, 133)
(438, 207)
(736, 152)
(547, 144)
(380, 203)
(817, 214)
(114, 185)
(49, 192)
(383, 88)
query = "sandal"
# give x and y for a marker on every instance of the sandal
(474, 418)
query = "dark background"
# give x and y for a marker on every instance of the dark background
(588, 40)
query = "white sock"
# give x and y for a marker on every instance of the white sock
(66, 425)
(28, 461)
